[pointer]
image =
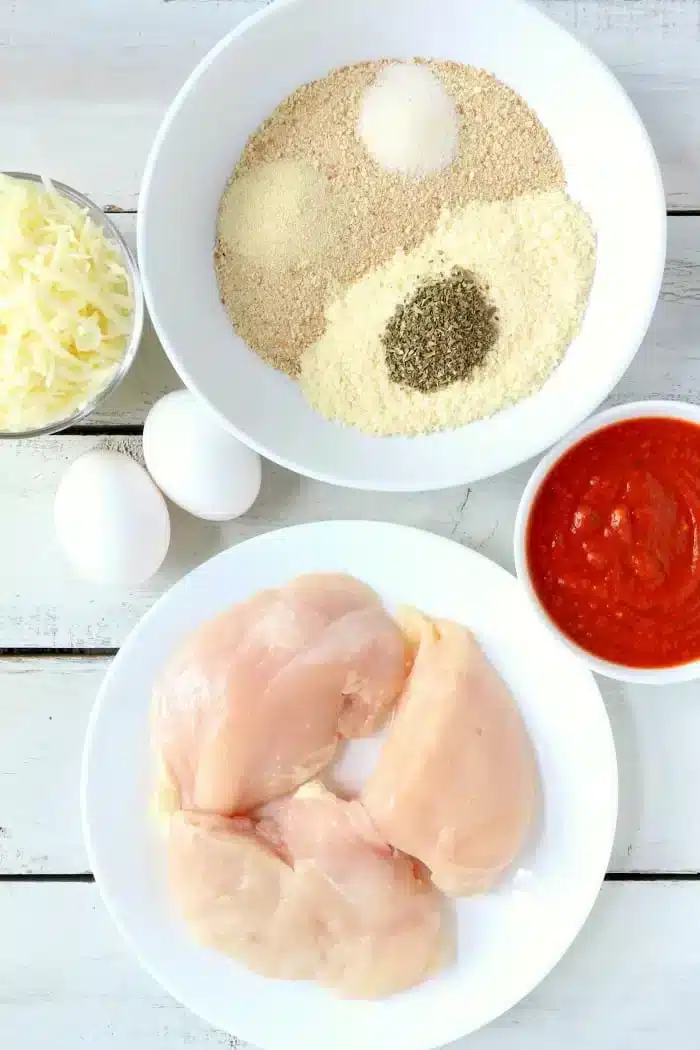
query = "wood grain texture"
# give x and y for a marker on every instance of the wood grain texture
(45, 606)
(44, 706)
(630, 981)
(83, 85)
(653, 46)
(668, 364)
(67, 980)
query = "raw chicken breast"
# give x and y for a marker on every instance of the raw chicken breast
(456, 781)
(309, 892)
(253, 703)
(380, 916)
(239, 896)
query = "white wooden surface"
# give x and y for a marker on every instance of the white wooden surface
(668, 364)
(629, 983)
(83, 84)
(45, 702)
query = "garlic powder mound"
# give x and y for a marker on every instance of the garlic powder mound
(537, 257)
(276, 214)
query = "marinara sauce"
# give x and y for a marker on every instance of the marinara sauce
(613, 543)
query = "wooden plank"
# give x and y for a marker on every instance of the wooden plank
(668, 364)
(83, 86)
(44, 706)
(66, 979)
(653, 46)
(656, 733)
(45, 606)
(629, 981)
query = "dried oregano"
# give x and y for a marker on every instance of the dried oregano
(441, 333)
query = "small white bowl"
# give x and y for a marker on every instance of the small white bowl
(610, 166)
(636, 410)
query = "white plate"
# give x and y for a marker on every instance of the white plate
(508, 941)
(610, 165)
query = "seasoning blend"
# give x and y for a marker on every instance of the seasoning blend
(535, 261)
(277, 303)
(397, 238)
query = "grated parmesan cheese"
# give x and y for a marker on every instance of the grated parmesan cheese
(536, 256)
(66, 307)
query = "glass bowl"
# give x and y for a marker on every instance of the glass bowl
(131, 267)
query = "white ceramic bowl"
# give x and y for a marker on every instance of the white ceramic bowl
(636, 410)
(611, 169)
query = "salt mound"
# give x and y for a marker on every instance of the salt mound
(408, 122)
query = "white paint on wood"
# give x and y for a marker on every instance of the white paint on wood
(630, 981)
(83, 85)
(44, 706)
(667, 366)
(66, 979)
(45, 606)
(668, 363)
(656, 737)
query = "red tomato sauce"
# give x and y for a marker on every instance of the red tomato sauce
(613, 543)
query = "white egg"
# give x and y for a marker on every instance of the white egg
(111, 520)
(196, 462)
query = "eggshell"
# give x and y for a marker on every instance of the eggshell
(196, 462)
(111, 520)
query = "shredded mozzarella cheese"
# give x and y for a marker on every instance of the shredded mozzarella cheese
(66, 307)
